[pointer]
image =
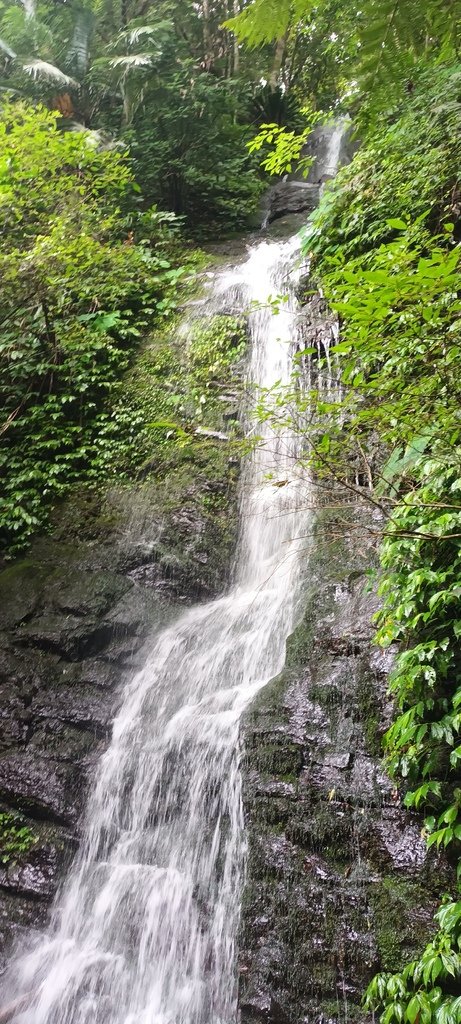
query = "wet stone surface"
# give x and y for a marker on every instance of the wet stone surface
(339, 882)
(74, 617)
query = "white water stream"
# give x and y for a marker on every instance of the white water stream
(145, 927)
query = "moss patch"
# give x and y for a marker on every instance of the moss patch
(370, 713)
(401, 928)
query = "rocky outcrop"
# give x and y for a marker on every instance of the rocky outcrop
(73, 618)
(289, 197)
(339, 882)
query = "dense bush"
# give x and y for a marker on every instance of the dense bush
(407, 170)
(78, 293)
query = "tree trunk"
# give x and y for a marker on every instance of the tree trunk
(236, 42)
(278, 61)
(207, 42)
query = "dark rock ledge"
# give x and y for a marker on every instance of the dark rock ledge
(339, 883)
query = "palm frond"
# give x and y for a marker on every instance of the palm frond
(49, 72)
(132, 60)
(261, 22)
(7, 49)
(131, 36)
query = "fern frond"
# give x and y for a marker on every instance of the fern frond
(391, 35)
(261, 22)
(264, 21)
(444, 24)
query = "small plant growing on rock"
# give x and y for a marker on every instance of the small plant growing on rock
(16, 838)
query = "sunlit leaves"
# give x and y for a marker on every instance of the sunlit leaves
(283, 148)
(267, 20)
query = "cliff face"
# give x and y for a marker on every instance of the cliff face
(339, 882)
(73, 619)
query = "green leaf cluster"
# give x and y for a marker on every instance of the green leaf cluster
(16, 838)
(406, 172)
(180, 382)
(162, 78)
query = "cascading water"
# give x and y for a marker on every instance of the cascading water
(333, 153)
(145, 931)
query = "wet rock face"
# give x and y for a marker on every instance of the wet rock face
(339, 884)
(291, 197)
(74, 616)
(65, 641)
(318, 148)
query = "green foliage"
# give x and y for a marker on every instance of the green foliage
(380, 43)
(78, 292)
(420, 587)
(285, 146)
(395, 36)
(425, 992)
(160, 77)
(390, 180)
(175, 386)
(315, 48)
(400, 345)
(191, 155)
(264, 21)
(16, 838)
(214, 349)
(386, 250)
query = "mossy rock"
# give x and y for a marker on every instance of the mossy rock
(21, 587)
(402, 920)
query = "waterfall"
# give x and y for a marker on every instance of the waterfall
(334, 148)
(328, 161)
(145, 927)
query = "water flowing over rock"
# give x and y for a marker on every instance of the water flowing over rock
(329, 147)
(146, 925)
(242, 854)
